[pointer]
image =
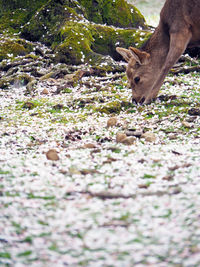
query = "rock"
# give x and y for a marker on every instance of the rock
(10, 48)
(134, 133)
(31, 86)
(45, 92)
(149, 137)
(194, 112)
(112, 122)
(89, 145)
(63, 171)
(58, 106)
(74, 171)
(143, 186)
(28, 105)
(47, 76)
(52, 154)
(88, 171)
(130, 140)
(186, 124)
(191, 119)
(86, 36)
(120, 137)
(176, 190)
(172, 136)
(168, 178)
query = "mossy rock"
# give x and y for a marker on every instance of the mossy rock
(13, 47)
(48, 21)
(44, 25)
(74, 28)
(116, 13)
(15, 13)
(88, 42)
(17, 80)
(106, 39)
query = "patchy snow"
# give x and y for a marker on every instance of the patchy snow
(110, 205)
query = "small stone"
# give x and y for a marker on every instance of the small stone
(88, 171)
(112, 122)
(191, 119)
(186, 124)
(130, 140)
(156, 160)
(63, 171)
(143, 186)
(120, 137)
(28, 105)
(89, 145)
(194, 112)
(172, 136)
(134, 133)
(173, 168)
(168, 178)
(149, 137)
(52, 154)
(58, 106)
(176, 191)
(45, 92)
(74, 171)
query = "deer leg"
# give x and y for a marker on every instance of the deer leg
(178, 44)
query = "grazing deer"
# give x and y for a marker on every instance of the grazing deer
(179, 27)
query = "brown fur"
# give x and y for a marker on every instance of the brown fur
(179, 27)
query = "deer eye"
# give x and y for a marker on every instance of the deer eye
(137, 79)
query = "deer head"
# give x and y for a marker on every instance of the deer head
(141, 73)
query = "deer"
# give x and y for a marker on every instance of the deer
(178, 28)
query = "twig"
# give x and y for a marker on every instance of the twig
(185, 69)
(107, 195)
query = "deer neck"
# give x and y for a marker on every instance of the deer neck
(158, 45)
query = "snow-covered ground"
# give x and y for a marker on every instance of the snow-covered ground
(97, 202)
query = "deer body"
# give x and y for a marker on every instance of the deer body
(179, 28)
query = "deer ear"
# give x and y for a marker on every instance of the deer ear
(141, 57)
(125, 53)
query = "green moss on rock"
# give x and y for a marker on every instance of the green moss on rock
(88, 42)
(17, 79)
(15, 13)
(12, 47)
(117, 13)
(76, 45)
(74, 28)
(45, 25)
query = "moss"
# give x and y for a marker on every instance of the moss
(76, 45)
(112, 107)
(87, 42)
(14, 14)
(64, 26)
(18, 80)
(117, 13)
(4, 83)
(46, 23)
(106, 39)
(12, 47)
